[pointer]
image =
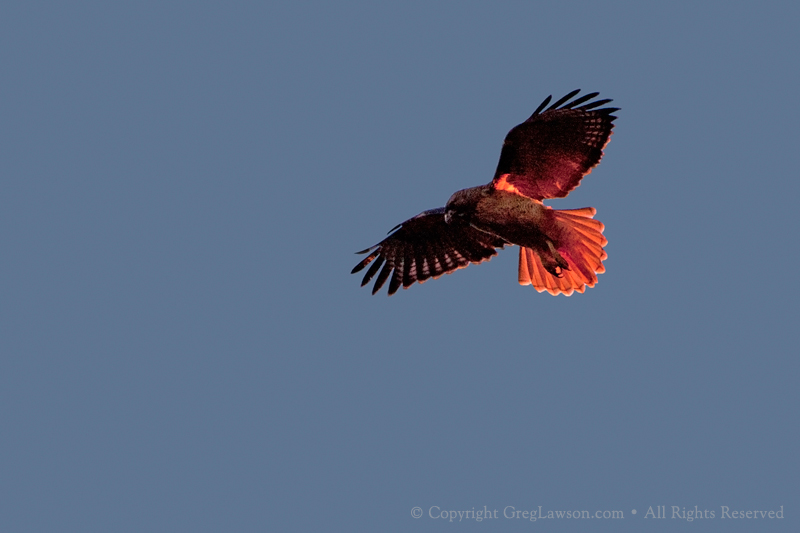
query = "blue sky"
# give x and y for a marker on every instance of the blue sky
(183, 188)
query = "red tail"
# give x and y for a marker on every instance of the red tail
(581, 245)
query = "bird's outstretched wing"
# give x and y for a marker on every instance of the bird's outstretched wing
(547, 155)
(426, 247)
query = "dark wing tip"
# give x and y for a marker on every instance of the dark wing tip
(583, 103)
(563, 99)
(541, 106)
(580, 100)
(596, 103)
(367, 249)
(395, 282)
(367, 260)
(372, 270)
(385, 271)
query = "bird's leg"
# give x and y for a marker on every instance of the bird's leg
(553, 262)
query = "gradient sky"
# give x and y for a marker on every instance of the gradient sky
(183, 347)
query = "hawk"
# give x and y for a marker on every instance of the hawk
(546, 156)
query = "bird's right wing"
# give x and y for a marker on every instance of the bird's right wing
(426, 247)
(547, 155)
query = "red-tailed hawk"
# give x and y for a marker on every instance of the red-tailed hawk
(546, 156)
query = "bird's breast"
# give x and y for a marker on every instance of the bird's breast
(515, 218)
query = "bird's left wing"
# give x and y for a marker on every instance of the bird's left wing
(426, 247)
(547, 155)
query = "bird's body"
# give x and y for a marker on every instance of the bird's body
(514, 218)
(561, 251)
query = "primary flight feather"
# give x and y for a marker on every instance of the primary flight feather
(546, 156)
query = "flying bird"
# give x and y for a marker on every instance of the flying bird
(545, 157)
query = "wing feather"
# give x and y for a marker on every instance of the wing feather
(580, 100)
(547, 155)
(563, 99)
(425, 247)
(397, 276)
(385, 271)
(542, 105)
(372, 270)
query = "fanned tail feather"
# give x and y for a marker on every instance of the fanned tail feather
(581, 244)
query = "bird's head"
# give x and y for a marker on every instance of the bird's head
(461, 206)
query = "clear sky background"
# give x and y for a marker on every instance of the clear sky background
(182, 188)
